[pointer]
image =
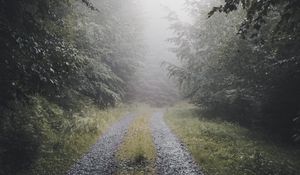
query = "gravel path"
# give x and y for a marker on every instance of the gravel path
(172, 157)
(101, 158)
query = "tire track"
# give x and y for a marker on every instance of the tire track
(172, 156)
(100, 160)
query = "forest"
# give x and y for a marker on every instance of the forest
(249, 71)
(69, 69)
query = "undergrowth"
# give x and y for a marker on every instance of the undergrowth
(228, 149)
(48, 139)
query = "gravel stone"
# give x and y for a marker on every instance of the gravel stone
(101, 158)
(172, 156)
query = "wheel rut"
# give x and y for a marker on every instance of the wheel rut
(172, 156)
(100, 160)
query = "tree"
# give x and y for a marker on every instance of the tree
(251, 77)
(55, 56)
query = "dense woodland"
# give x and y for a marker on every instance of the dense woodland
(242, 63)
(56, 57)
(239, 61)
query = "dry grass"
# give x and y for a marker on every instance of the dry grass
(76, 139)
(137, 154)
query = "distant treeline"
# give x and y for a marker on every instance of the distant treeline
(241, 62)
(56, 57)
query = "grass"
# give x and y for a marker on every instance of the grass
(62, 148)
(223, 148)
(136, 155)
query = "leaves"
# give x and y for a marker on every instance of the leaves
(67, 53)
(258, 11)
(249, 79)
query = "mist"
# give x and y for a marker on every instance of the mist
(154, 86)
(170, 87)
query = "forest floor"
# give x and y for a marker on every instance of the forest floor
(144, 142)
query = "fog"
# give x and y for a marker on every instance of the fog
(154, 85)
(156, 26)
(73, 71)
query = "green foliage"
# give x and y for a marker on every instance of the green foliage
(226, 148)
(101, 84)
(57, 55)
(32, 48)
(25, 130)
(39, 137)
(252, 81)
(258, 13)
(45, 49)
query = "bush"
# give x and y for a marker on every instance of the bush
(24, 131)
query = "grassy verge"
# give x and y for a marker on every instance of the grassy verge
(61, 148)
(228, 149)
(137, 154)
